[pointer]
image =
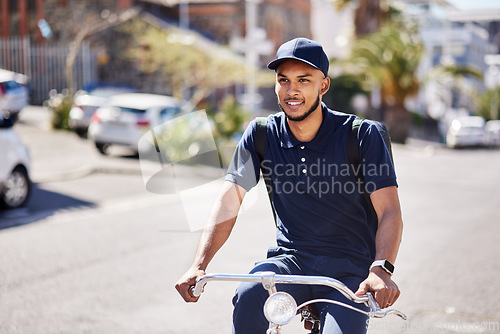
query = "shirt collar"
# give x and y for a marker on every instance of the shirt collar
(319, 143)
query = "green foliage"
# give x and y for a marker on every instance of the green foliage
(486, 101)
(59, 105)
(453, 73)
(185, 137)
(184, 61)
(342, 90)
(194, 138)
(229, 119)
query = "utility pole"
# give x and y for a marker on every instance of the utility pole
(184, 14)
(184, 26)
(251, 54)
(254, 44)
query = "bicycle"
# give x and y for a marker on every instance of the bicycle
(280, 307)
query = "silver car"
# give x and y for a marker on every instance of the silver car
(493, 128)
(127, 117)
(86, 103)
(468, 131)
(14, 94)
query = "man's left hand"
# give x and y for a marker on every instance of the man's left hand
(380, 284)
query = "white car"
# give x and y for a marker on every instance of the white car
(493, 128)
(467, 131)
(15, 184)
(127, 117)
(86, 103)
(14, 94)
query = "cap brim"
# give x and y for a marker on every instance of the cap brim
(277, 62)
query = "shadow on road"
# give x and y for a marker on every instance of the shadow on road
(42, 204)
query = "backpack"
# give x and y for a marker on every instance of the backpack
(352, 153)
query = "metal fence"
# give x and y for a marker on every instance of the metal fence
(45, 65)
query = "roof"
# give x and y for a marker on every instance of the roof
(9, 75)
(172, 3)
(485, 15)
(142, 100)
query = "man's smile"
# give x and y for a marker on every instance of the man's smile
(294, 103)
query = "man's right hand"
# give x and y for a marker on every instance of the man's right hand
(186, 282)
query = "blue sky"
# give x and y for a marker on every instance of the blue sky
(476, 4)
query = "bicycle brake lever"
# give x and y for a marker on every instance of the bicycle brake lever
(376, 312)
(382, 314)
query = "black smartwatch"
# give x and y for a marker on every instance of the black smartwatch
(386, 265)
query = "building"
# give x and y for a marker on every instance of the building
(33, 23)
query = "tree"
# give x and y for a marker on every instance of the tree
(488, 104)
(368, 16)
(389, 59)
(184, 61)
(343, 89)
(93, 25)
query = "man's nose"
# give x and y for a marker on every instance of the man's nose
(293, 88)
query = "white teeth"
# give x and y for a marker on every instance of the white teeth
(294, 103)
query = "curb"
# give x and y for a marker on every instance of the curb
(84, 172)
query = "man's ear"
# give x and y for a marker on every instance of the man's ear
(325, 85)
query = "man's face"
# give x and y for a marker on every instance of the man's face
(298, 88)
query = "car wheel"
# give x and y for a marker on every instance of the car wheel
(82, 133)
(16, 189)
(102, 148)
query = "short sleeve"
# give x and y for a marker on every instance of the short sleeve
(378, 169)
(244, 169)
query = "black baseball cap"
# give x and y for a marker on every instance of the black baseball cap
(304, 50)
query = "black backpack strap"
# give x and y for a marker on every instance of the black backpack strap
(355, 161)
(260, 140)
(260, 137)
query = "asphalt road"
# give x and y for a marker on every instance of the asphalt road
(95, 252)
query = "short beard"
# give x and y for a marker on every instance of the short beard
(304, 116)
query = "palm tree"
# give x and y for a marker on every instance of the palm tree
(389, 59)
(368, 17)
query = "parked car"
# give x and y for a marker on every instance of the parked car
(493, 129)
(15, 184)
(467, 131)
(86, 103)
(14, 93)
(126, 117)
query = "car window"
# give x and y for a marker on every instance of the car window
(108, 92)
(169, 112)
(9, 85)
(132, 110)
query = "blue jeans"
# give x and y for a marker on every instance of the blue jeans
(248, 317)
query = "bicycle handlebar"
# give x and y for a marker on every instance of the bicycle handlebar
(269, 279)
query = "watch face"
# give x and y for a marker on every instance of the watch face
(389, 266)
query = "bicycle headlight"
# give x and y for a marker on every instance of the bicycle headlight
(280, 308)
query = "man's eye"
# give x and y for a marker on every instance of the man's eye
(304, 80)
(282, 80)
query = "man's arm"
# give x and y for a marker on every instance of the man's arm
(388, 237)
(215, 233)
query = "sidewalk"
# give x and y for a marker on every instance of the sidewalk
(58, 155)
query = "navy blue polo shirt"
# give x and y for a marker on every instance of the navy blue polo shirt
(319, 205)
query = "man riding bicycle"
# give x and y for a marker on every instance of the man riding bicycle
(325, 227)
